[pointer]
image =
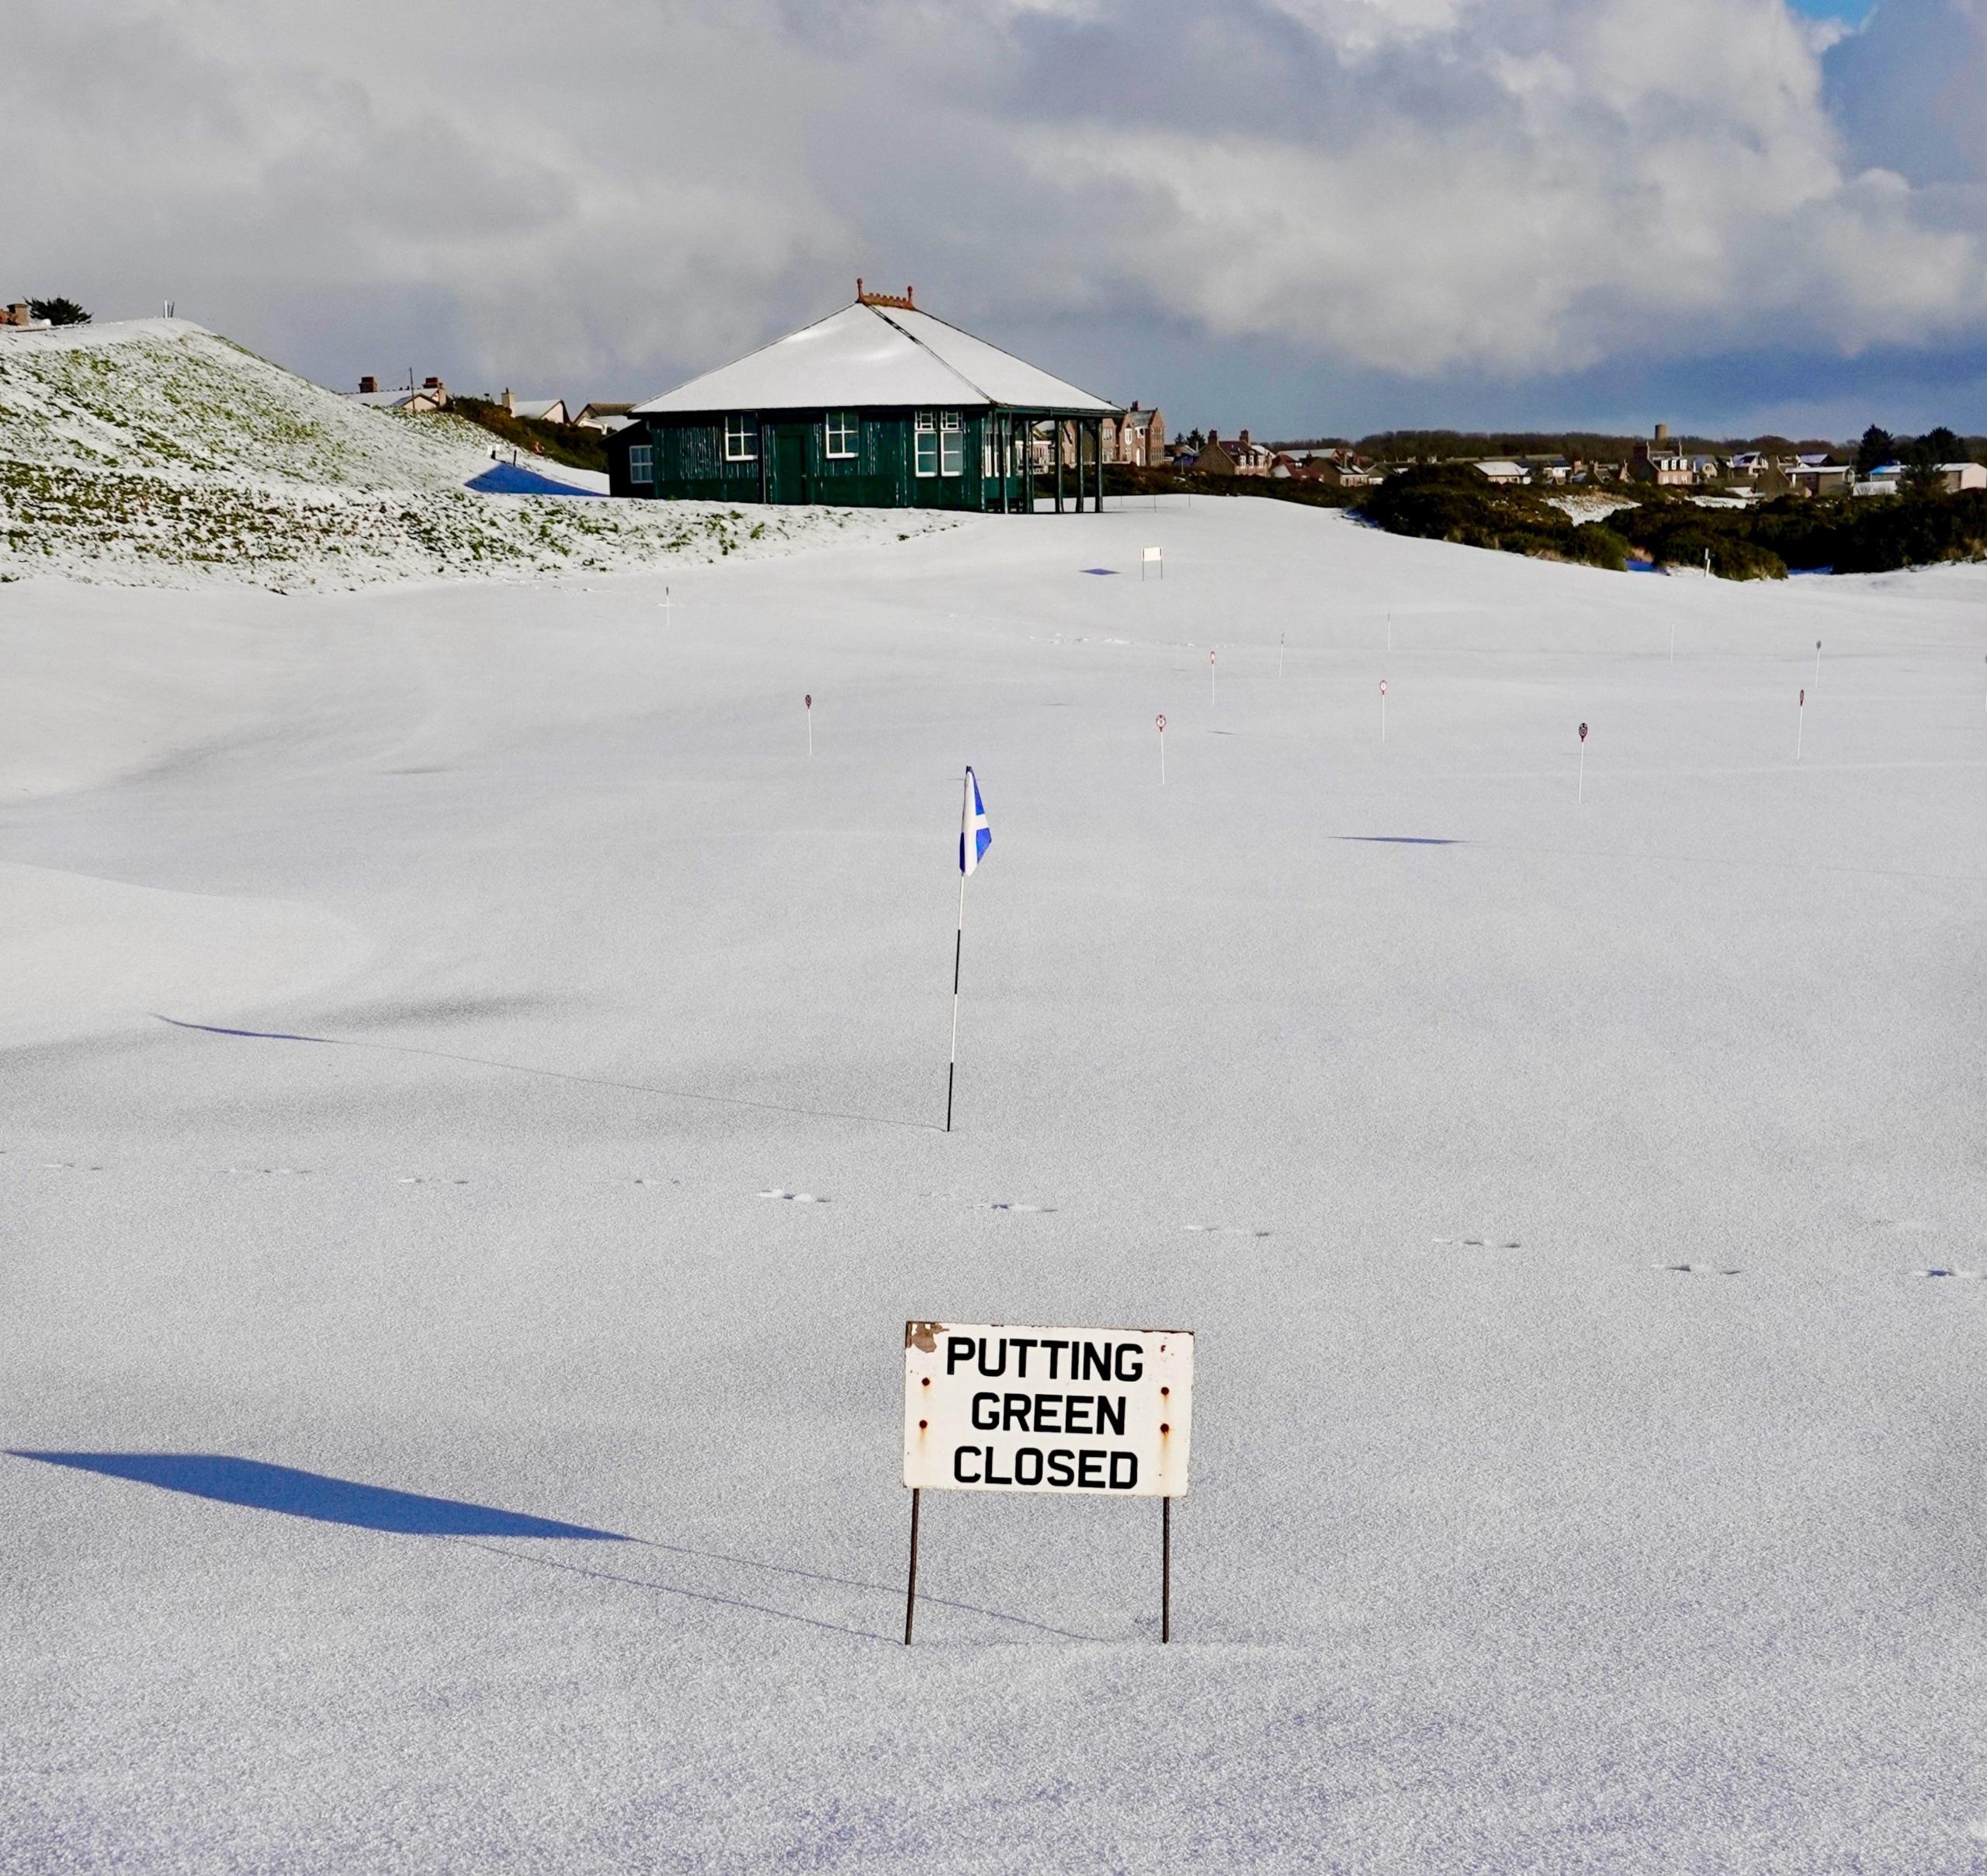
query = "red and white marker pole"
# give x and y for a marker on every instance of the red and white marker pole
(1800, 729)
(1161, 722)
(809, 700)
(1383, 709)
(1818, 664)
(1583, 761)
(1210, 677)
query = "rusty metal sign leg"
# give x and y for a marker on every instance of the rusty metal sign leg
(1165, 1569)
(910, 1588)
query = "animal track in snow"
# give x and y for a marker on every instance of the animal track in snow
(1963, 1276)
(1230, 1231)
(68, 1166)
(280, 1172)
(1700, 1270)
(798, 1198)
(422, 1179)
(1484, 1243)
(1015, 1205)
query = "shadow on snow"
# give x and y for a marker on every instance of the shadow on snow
(263, 1487)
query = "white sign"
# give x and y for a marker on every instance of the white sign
(994, 1407)
(1153, 556)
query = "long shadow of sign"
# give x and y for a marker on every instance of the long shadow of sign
(263, 1487)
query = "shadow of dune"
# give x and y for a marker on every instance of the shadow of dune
(262, 1487)
(548, 1074)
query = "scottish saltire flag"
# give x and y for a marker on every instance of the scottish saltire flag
(974, 836)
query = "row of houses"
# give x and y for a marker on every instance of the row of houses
(604, 417)
(1661, 462)
(431, 394)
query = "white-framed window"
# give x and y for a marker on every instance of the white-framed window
(952, 445)
(741, 440)
(641, 462)
(924, 440)
(841, 431)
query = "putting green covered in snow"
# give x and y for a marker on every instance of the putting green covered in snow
(472, 1144)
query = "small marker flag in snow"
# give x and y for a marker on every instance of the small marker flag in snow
(974, 836)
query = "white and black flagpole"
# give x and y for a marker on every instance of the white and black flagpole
(974, 838)
(959, 947)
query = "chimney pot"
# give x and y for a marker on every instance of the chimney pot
(367, 386)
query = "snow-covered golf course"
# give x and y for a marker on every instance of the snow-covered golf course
(458, 1044)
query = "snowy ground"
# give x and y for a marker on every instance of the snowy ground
(419, 1004)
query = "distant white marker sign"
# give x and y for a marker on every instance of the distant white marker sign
(996, 1407)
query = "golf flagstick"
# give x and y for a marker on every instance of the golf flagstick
(974, 838)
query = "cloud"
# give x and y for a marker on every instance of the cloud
(598, 200)
(1908, 90)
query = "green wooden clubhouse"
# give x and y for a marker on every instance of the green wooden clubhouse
(879, 405)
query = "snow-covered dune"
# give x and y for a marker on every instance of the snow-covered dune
(154, 452)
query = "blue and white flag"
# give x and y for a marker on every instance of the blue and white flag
(974, 836)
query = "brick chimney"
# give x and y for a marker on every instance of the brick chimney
(1662, 433)
(368, 386)
(1243, 439)
(431, 384)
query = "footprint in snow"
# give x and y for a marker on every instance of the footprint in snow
(278, 1172)
(1910, 1226)
(1962, 1276)
(798, 1198)
(422, 1179)
(1699, 1270)
(68, 1166)
(1484, 1243)
(1015, 1205)
(1230, 1231)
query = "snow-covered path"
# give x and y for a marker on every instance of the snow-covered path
(414, 1034)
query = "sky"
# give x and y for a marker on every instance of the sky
(1310, 217)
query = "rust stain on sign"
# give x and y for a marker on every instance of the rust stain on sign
(923, 1336)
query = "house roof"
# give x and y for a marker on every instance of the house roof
(1517, 469)
(869, 354)
(605, 410)
(393, 400)
(534, 408)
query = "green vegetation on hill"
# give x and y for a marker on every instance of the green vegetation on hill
(1458, 505)
(58, 311)
(1877, 535)
(566, 443)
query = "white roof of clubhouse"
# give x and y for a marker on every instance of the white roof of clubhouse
(869, 354)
